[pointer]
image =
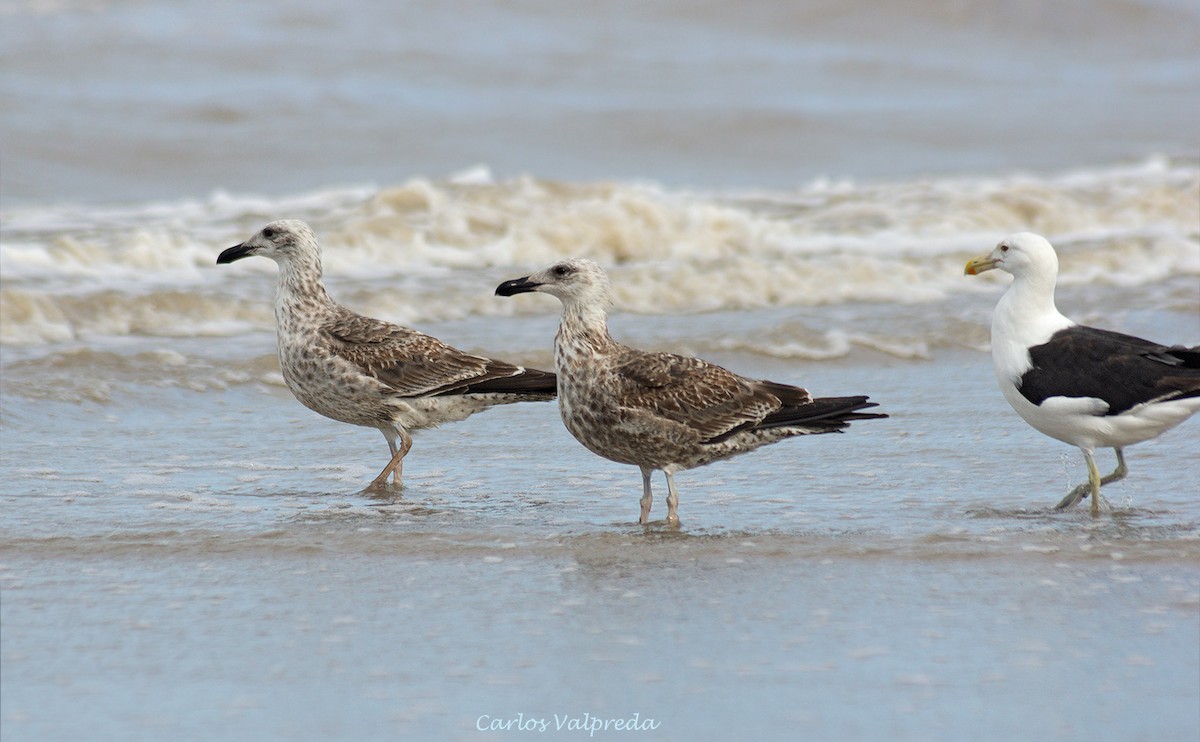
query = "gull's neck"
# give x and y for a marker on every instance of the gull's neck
(1026, 312)
(1024, 317)
(583, 330)
(300, 295)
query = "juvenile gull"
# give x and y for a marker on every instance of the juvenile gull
(659, 410)
(1084, 386)
(368, 372)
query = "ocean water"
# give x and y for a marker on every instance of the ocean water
(789, 190)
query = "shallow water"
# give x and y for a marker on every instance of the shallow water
(233, 577)
(187, 553)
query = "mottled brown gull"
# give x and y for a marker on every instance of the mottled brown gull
(1082, 385)
(368, 372)
(659, 410)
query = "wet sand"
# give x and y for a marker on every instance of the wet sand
(767, 637)
(904, 580)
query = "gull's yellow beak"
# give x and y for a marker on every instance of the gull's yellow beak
(975, 266)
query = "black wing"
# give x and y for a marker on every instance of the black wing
(1122, 370)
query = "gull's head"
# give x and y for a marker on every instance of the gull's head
(573, 281)
(1020, 254)
(284, 241)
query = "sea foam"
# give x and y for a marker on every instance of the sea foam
(430, 250)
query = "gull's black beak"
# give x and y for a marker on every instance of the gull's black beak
(237, 252)
(516, 286)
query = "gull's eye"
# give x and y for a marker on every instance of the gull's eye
(563, 271)
(1004, 248)
(268, 233)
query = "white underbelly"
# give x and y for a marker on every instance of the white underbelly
(1081, 421)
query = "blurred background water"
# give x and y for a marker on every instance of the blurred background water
(142, 100)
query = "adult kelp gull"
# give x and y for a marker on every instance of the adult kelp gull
(659, 410)
(368, 372)
(1084, 386)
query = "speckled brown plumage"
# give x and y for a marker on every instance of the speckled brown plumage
(660, 410)
(368, 372)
